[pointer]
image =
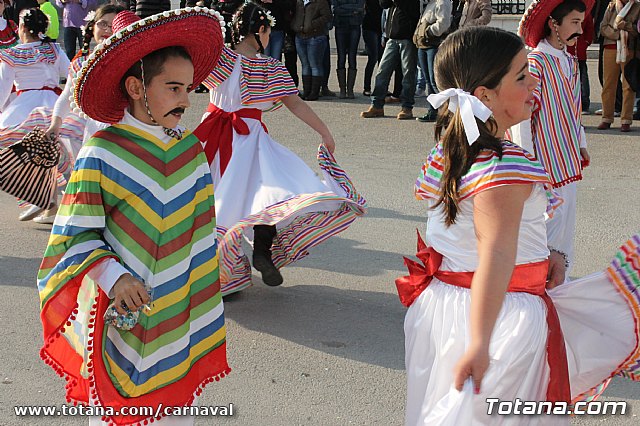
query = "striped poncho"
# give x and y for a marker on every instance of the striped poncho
(516, 167)
(149, 205)
(556, 121)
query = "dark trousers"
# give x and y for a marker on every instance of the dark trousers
(347, 39)
(373, 43)
(70, 36)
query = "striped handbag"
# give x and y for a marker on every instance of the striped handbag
(28, 168)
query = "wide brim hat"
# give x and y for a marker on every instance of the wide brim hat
(531, 27)
(97, 86)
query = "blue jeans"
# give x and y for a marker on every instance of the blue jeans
(326, 62)
(70, 36)
(426, 58)
(405, 53)
(276, 42)
(373, 43)
(347, 39)
(311, 51)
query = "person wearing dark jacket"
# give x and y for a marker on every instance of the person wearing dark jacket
(13, 11)
(310, 23)
(401, 24)
(282, 11)
(144, 8)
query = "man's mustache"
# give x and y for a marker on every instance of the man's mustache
(175, 111)
(574, 35)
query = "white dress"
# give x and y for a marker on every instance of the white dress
(265, 183)
(437, 330)
(30, 66)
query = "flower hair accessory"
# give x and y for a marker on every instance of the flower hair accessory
(90, 16)
(469, 106)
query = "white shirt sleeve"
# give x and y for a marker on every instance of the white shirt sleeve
(62, 107)
(583, 138)
(62, 62)
(521, 135)
(106, 273)
(7, 75)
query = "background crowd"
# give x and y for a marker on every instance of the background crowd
(400, 39)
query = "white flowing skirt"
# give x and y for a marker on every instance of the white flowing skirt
(267, 184)
(437, 334)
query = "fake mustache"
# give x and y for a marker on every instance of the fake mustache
(574, 35)
(175, 111)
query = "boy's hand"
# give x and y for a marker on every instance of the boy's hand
(131, 292)
(586, 158)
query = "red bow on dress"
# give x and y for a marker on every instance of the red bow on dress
(420, 275)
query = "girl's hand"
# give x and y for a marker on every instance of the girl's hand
(130, 291)
(52, 132)
(329, 143)
(474, 364)
(557, 269)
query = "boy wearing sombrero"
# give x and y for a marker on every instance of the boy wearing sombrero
(137, 225)
(555, 134)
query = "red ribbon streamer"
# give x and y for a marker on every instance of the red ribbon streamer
(216, 131)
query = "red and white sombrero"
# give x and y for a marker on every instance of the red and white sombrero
(531, 27)
(97, 88)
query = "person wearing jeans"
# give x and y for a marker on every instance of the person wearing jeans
(401, 24)
(310, 24)
(282, 11)
(73, 14)
(347, 20)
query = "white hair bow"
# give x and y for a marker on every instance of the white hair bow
(470, 107)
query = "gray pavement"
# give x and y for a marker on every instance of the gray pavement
(325, 348)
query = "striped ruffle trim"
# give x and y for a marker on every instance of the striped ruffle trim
(624, 273)
(488, 171)
(292, 242)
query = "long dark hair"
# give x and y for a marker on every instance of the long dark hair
(467, 59)
(103, 10)
(36, 22)
(247, 20)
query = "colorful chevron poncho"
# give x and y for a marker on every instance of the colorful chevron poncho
(149, 205)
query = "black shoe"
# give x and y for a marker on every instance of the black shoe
(201, 89)
(264, 264)
(263, 236)
(429, 117)
(636, 115)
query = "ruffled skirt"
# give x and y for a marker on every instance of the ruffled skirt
(598, 346)
(266, 184)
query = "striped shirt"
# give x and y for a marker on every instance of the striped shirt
(556, 121)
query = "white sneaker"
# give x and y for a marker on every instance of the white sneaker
(420, 93)
(30, 213)
(48, 216)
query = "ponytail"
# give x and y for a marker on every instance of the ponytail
(459, 156)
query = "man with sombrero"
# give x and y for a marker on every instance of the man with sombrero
(137, 225)
(555, 134)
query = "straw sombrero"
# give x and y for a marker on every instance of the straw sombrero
(531, 27)
(97, 88)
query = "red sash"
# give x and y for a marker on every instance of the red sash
(216, 131)
(56, 90)
(529, 278)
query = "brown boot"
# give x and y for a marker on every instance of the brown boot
(405, 114)
(372, 112)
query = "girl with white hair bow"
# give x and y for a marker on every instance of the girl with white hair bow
(481, 323)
